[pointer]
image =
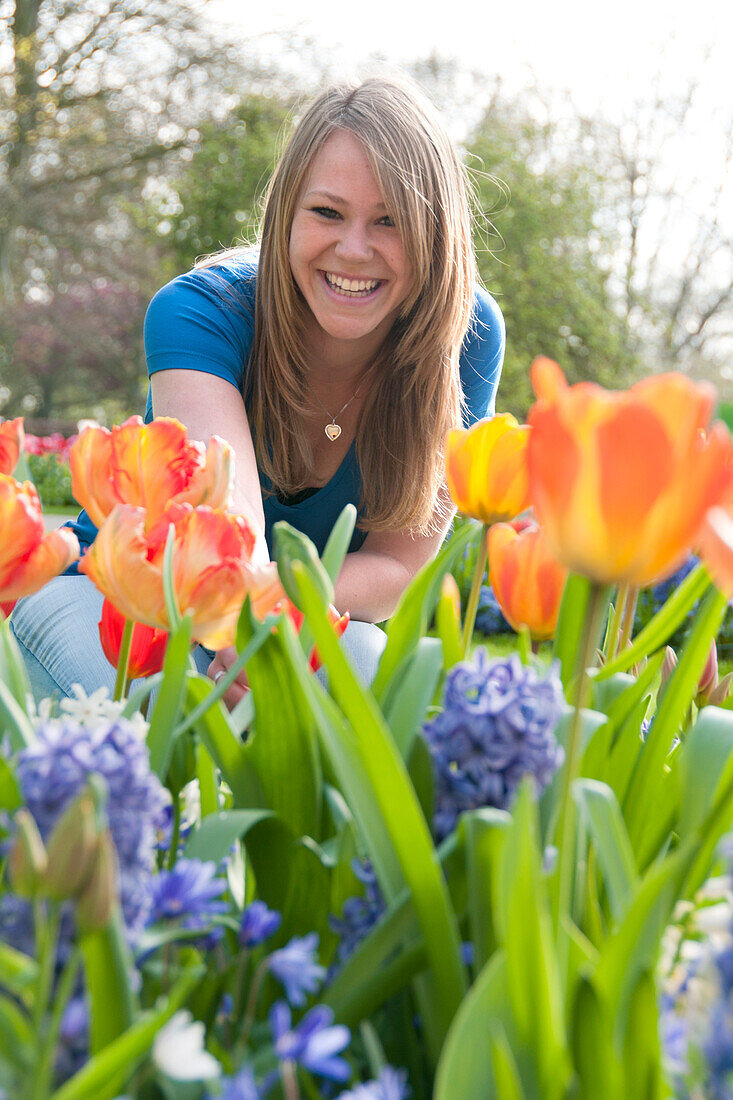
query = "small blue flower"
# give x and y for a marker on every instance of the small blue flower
(497, 726)
(188, 893)
(296, 967)
(360, 913)
(314, 1043)
(390, 1084)
(240, 1087)
(258, 924)
(489, 617)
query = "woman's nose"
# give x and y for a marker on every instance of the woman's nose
(354, 242)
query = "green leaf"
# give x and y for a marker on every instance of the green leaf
(104, 1075)
(569, 631)
(107, 969)
(485, 833)
(338, 542)
(223, 745)
(14, 721)
(595, 1059)
(12, 667)
(448, 622)
(11, 796)
(412, 693)
(410, 621)
(465, 1070)
(506, 1074)
(392, 798)
(422, 776)
(641, 1059)
(659, 629)
(283, 749)
(604, 820)
(525, 930)
(679, 691)
(215, 835)
(170, 699)
(704, 778)
(293, 546)
(19, 971)
(17, 1041)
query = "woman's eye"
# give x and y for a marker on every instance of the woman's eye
(326, 211)
(387, 220)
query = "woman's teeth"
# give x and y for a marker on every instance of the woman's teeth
(353, 288)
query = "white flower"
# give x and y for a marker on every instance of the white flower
(90, 710)
(178, 1050)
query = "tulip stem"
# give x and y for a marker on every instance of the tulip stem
(478, 576)
(124, 659)
(627, 627)
(567, 816)
(614, 630)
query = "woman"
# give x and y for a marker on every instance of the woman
(333, 362)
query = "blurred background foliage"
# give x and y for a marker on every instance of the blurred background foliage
(134, 138)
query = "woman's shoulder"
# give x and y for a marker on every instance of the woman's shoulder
(482, 356)
(227, 281)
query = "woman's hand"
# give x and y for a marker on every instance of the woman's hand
(223, 661)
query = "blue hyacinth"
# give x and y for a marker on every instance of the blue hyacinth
(240, 1087)
(54, 768)
(314, 1043)
(189, 892)
(497, 726)
(296, 966)
(258, 924)
(359, 914)
(489, 616)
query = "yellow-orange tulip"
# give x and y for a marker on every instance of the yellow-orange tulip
(212, 570)
(28, 556)
(486, 469)
(148, 466)
(621, 482)
(11, 444)
(527, 580)
(716, 547)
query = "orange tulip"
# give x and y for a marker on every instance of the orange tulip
(148, 466)
(486, 469)
(527, 580)
(28, 556)
(716, 547)
(11, 444)
(621, 482)
(147, 646)
(212, 571)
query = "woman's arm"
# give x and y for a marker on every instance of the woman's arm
(209, 405)
(373, 578)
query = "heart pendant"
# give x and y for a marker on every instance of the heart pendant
(333, 431)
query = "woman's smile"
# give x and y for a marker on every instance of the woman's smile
(346, 253)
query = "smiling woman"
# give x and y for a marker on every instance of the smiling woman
(333, 359)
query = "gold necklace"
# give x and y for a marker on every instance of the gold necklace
(333, 430)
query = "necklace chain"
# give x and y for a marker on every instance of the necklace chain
(333, 430)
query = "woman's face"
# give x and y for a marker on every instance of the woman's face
(345, 252)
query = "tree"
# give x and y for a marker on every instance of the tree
(541, 252)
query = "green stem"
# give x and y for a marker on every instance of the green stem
(176, 834)
(614, 630)
(123, 660)
(44, 1068)
(206, 774)
(567, 817)
(47, 927)
(254, 991)
(525, 645)
(473, 599)
(290, 1081)
(627, 627)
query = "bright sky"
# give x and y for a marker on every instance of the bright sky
(603, 53)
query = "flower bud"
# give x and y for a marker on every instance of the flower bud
(719, 694)
(708, 678)
(72, 849)
(100, 896)
(28, 860)
(669, 664)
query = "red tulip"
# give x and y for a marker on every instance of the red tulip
(29, 557)
(147, 646)
(338, 622)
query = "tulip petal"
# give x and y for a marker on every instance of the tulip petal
(90, 459)
(117, 562)
(716, 548)
(21, 524)
(548, 380)
(153, 463)
(213, 482)
(51, 556)
(11, 444)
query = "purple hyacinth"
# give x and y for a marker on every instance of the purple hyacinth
(390, 1084)
(296, 967)
(189, 893)
(240, 1087)
(313, 1043)
(360, 913)
(258, 924)
(53, 770)
(497, 726)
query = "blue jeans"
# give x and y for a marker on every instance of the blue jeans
(57, 634)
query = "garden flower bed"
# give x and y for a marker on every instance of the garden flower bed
(484, 876)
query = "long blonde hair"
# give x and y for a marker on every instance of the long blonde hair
(417, 395)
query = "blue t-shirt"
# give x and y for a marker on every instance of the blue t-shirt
(204, 320)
